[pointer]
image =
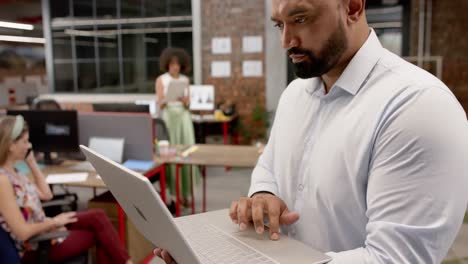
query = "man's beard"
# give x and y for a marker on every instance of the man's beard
(328, 57)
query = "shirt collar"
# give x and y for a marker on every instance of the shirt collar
(361, 65)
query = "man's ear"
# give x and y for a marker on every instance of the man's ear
(355, 10)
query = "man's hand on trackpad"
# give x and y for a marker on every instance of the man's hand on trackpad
(259, 206)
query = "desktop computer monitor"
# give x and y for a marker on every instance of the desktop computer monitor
(153, 108)
(51, 131)
(121, 107)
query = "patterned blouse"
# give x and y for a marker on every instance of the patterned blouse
(29, 203)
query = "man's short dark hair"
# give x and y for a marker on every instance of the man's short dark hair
(182, 56)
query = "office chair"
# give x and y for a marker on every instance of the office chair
(45, 104)
(61, 203)
(9, 254)
(160, 129)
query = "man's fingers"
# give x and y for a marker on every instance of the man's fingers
(288, 218)
(258, 206)
(157, 252)
(274, 207)
(233, 212)
(167, 257)
(244, 213)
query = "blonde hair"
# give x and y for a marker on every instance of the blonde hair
(6, 126)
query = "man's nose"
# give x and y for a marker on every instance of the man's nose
(289, 39)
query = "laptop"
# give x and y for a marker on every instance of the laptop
(203, 238)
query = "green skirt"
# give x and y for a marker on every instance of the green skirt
(181, 132)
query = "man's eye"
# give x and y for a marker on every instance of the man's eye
(279, 25)
(300, 20)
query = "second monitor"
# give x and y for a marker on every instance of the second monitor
(51, 131)
(121, 107)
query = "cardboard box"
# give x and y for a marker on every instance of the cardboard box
(137, 245)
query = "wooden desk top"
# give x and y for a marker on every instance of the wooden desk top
(216, 155)
(92, 182)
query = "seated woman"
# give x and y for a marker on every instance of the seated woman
(22, 216)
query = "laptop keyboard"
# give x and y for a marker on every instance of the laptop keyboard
(212, 245)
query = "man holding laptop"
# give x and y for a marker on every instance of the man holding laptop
(359, 162)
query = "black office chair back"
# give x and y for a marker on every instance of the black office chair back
(8, 252)
(45, 104)
(160, 129)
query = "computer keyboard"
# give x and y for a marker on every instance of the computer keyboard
(212, 245)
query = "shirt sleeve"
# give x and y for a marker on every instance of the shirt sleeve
(416, 193)
(263, 178)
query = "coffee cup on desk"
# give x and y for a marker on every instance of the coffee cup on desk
(163, 146)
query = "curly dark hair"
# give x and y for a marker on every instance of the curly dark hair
(182, 56)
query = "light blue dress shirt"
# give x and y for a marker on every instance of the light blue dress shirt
(377, 168)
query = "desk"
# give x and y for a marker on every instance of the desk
(66, 167)
(94, 182)
(211, 155)
(199, 124)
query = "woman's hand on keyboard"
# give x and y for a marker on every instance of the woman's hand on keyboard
(257, 207)
(164, 255)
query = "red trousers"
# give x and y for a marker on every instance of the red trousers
(93, 228)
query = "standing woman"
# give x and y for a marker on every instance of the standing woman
(22, 216)
(175, 62)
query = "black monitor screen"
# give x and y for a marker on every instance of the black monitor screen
(51, 130)
(121, 107)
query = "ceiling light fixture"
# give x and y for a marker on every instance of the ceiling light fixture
(16, 25)
(22, 39)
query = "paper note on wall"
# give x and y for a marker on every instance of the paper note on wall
(221, 45)
(252, 44)
(220, 69)
(252, 68)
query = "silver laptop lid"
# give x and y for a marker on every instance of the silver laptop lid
(142, 204)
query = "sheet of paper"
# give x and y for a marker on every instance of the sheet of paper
(66, 178)
(221, 69)
(176, 90)
(252, 68)
(221, 45)
(252, 44)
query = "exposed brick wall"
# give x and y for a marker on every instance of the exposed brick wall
(449, 39)
(234, 19)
